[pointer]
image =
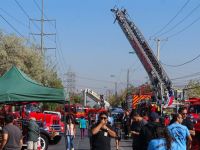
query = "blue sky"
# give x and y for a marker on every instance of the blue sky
(94, 48)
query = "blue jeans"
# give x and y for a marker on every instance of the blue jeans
(70, 141)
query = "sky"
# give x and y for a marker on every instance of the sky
(92, 46)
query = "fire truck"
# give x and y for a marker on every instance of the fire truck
(161, 83)
(193, 105)
(76, 110)
(99, 99)
(51, 128)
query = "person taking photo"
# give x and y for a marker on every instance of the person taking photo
(102, 133)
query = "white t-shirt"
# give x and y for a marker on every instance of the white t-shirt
(70, 129)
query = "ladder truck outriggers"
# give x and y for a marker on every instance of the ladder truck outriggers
(162, 85)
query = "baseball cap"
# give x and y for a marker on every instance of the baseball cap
(153, 116)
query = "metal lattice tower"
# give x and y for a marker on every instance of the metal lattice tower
(71, 81)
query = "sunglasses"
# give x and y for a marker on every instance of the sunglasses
(103, 118)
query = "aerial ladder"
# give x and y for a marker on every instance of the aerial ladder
(96, 97)
(162, 85)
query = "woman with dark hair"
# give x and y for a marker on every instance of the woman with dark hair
(70, 132)
(163, 140)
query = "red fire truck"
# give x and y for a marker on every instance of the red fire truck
(50, 124)
(77, 110)
(194, 109)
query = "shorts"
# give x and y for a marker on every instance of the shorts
(118, 138)
(32, 145)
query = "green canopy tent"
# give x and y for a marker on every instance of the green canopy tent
(16, 86)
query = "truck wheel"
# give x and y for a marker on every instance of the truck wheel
(44, 142)
(56, 140)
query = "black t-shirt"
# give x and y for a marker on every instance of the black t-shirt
(137, 126)
(14, 136)
(126, 120)
(147, 133)
(188, 123)
(101, 140)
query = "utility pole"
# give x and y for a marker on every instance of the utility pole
(115, 90)
(158, 57)
(42, 29)
(158, 46)
(158, 49)
(127, 89)
(42, 34)
(128, 80)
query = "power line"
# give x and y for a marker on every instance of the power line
(13, 17)
(20, 6)
(187, 76)
(26, 14)
(12, 27)
(186, 81)
(60, 53)
(173, 27)
(16, 20)
(172, 19)
(91, 87)
(92, 79)
(187, 62)
(180, 31)
(37, 5)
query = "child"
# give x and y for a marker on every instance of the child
(118, 132)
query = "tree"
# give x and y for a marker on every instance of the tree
(116, 101)
(193, 89)
(76, 98)
(15, 51)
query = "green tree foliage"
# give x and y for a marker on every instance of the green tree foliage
(121, 97)
(193, 89)
(76, 98)
(14, 51)
(116, 101)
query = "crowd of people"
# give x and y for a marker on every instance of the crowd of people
(12, 138)
(157, 133)
(148, 131)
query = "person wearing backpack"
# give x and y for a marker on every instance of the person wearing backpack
(148, 131)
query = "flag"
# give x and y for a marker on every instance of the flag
(170, 97)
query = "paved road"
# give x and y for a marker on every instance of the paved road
(83, 144)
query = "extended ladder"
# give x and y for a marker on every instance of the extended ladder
(155, 71)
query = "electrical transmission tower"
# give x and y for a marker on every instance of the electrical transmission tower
(42, 34)
(71, 81)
